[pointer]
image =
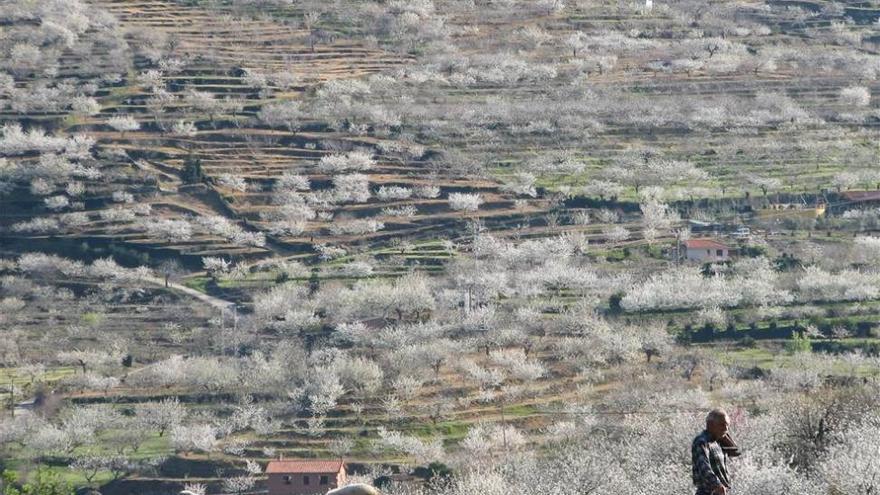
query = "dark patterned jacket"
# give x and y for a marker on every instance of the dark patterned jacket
(709, 459)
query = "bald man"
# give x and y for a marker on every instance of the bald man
(709, 453)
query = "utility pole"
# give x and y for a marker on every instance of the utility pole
(222, 331)
(503, 421)
(503, 425)
(235, 318)
(12, 396)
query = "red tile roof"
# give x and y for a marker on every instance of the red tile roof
(704, 244)
(304, 466)
(862, 195)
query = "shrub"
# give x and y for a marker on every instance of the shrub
(192, 171)
(465, 201)
(432, 470)
(798, 343)
(614, 302)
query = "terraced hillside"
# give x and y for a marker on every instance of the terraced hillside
(212, 85)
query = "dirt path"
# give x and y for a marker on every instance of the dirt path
(216, 302)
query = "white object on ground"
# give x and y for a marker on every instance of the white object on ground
(355, 489)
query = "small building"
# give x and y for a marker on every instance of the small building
(706, 250)
(304, 476)
(850, 200)
(742, 232)
(703, 227)
(782, 210)
(871, 197)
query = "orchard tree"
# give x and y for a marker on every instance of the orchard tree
(168, 230)
(204, 102)
(85, 106)
(616, 234)
(577, 42)
(194, 438)
(151, 80)
(355, 161)
(234, 182)
(765, 183)
(845, 180)
(423, 451)
(857, 96)
(241, 484)
(351, 188)
(550, 7)
(469, 202)
(158, 104)
(123, 124)
(657, 219)
(656, 341)
(522, 183)
(170, 269)
(645, 168)
(184, 128)
(161, 416)
(287, 114)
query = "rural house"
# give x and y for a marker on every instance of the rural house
(706, 250)
(861, 197)
(304, 476)
(783, 210)
(857, 199)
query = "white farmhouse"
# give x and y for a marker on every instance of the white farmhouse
(706, 250)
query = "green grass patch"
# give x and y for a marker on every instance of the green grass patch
(27, 470)
(761, 357)
(91, 319)
(520, 410)
(19, 378)
(198, 283)
(769, 358)
(450, 431)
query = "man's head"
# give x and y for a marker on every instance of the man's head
(717, 422)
